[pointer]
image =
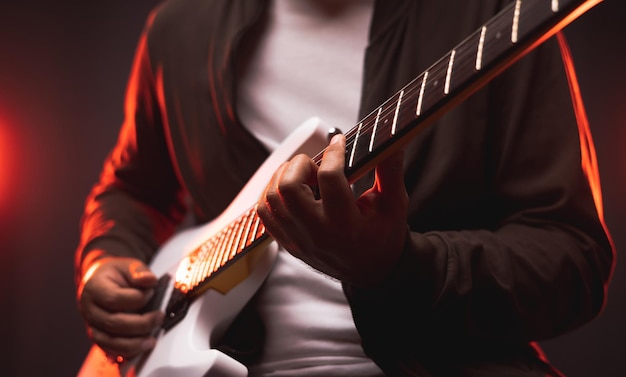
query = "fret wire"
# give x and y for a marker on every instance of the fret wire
(204, 257)
(371, 146)
(236, 247)
(446, 89)
(249, 217)
(195, 269)
(356, 139)
(247, 221)
(420, 100)
(224, 251)
(190, 271)
(395, 115)
(205, 260)
(215, 250)
(229, 248)
(223, 243)
(481, 43)
(516, 15)
(212, 256)
(209, 259)
(254, 236)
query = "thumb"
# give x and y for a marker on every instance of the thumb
(138, 274)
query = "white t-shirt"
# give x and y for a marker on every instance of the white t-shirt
(308, 62)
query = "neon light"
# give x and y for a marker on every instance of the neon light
(6, 160)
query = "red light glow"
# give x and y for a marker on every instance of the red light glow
(588, 151)
(8, 168)
(5, 154)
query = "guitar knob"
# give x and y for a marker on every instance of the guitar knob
(332, 132)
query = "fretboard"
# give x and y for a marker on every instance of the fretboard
(500, 42)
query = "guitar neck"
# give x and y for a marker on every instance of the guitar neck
(500, 42)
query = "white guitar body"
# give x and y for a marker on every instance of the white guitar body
(187, 348)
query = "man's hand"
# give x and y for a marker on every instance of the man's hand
(110, 294)
(356, 241)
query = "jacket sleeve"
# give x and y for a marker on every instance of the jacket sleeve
(138, 200)
(540, 265)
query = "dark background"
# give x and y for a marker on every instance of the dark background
(63, 71)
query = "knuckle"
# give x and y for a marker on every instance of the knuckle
(286, 189)
(328, 174)
(301, 158)
(109, 299)
(146, 323)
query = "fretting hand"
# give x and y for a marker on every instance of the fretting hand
(356, 241)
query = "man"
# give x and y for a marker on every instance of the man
(481, 236)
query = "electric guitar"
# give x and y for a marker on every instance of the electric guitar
(209, 273)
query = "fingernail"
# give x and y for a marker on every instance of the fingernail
(138, 270)
(139, 274)
(335, 139)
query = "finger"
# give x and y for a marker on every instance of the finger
(125, 324)
(297, 191)
(335, 191)
(269, 206)
(114, 298)
(289, 200)
(139, 275)
(121, 347)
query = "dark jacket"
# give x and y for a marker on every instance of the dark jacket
(507, 242)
